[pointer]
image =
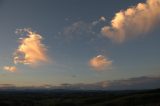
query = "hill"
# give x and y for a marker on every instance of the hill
(80, 98)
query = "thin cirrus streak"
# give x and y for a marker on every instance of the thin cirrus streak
(133, 21)
(31, 50)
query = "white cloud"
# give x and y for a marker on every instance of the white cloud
(102, 18)
(10, 68)
(31, 50)
(100, 63)
(133, 21)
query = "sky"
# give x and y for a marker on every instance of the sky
(54, 42)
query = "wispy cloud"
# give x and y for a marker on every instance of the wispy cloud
(77, 29)
(31, 50)
(10, 68)
(7, 86)
(101, 19)
(133, 21)
(100, 63)
(80, 29)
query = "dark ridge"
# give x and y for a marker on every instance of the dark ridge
(62, 97)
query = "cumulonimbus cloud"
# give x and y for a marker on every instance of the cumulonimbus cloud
(31, 50)
(10, 68)
(133, 21)
(100, 63)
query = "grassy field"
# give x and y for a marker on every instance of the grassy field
(80, 98)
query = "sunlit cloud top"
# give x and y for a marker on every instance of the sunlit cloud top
(133, 21)
(100, 63)
(31, 50)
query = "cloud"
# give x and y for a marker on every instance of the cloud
(101, 19)
(133, 21)
(31, 50)
(143, 82)
(82, 29)
(100, 63)
(7, 86)
(76, 30)
(10, 68)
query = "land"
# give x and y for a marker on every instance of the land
(79, 98)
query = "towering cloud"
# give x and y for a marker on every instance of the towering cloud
(133, 21)
(10, 68)
(31, 49)
(100, 63)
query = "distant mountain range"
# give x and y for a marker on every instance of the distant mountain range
(138, 83)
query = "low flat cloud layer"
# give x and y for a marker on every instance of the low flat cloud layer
(137, 83)
(133, 21)
(143, 82)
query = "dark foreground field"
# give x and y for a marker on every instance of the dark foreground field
(80, 98)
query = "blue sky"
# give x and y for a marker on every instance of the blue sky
(71, 52)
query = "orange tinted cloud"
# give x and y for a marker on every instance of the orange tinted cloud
(133, 21)
(10, 68)
(100, 63)
(31, 49)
